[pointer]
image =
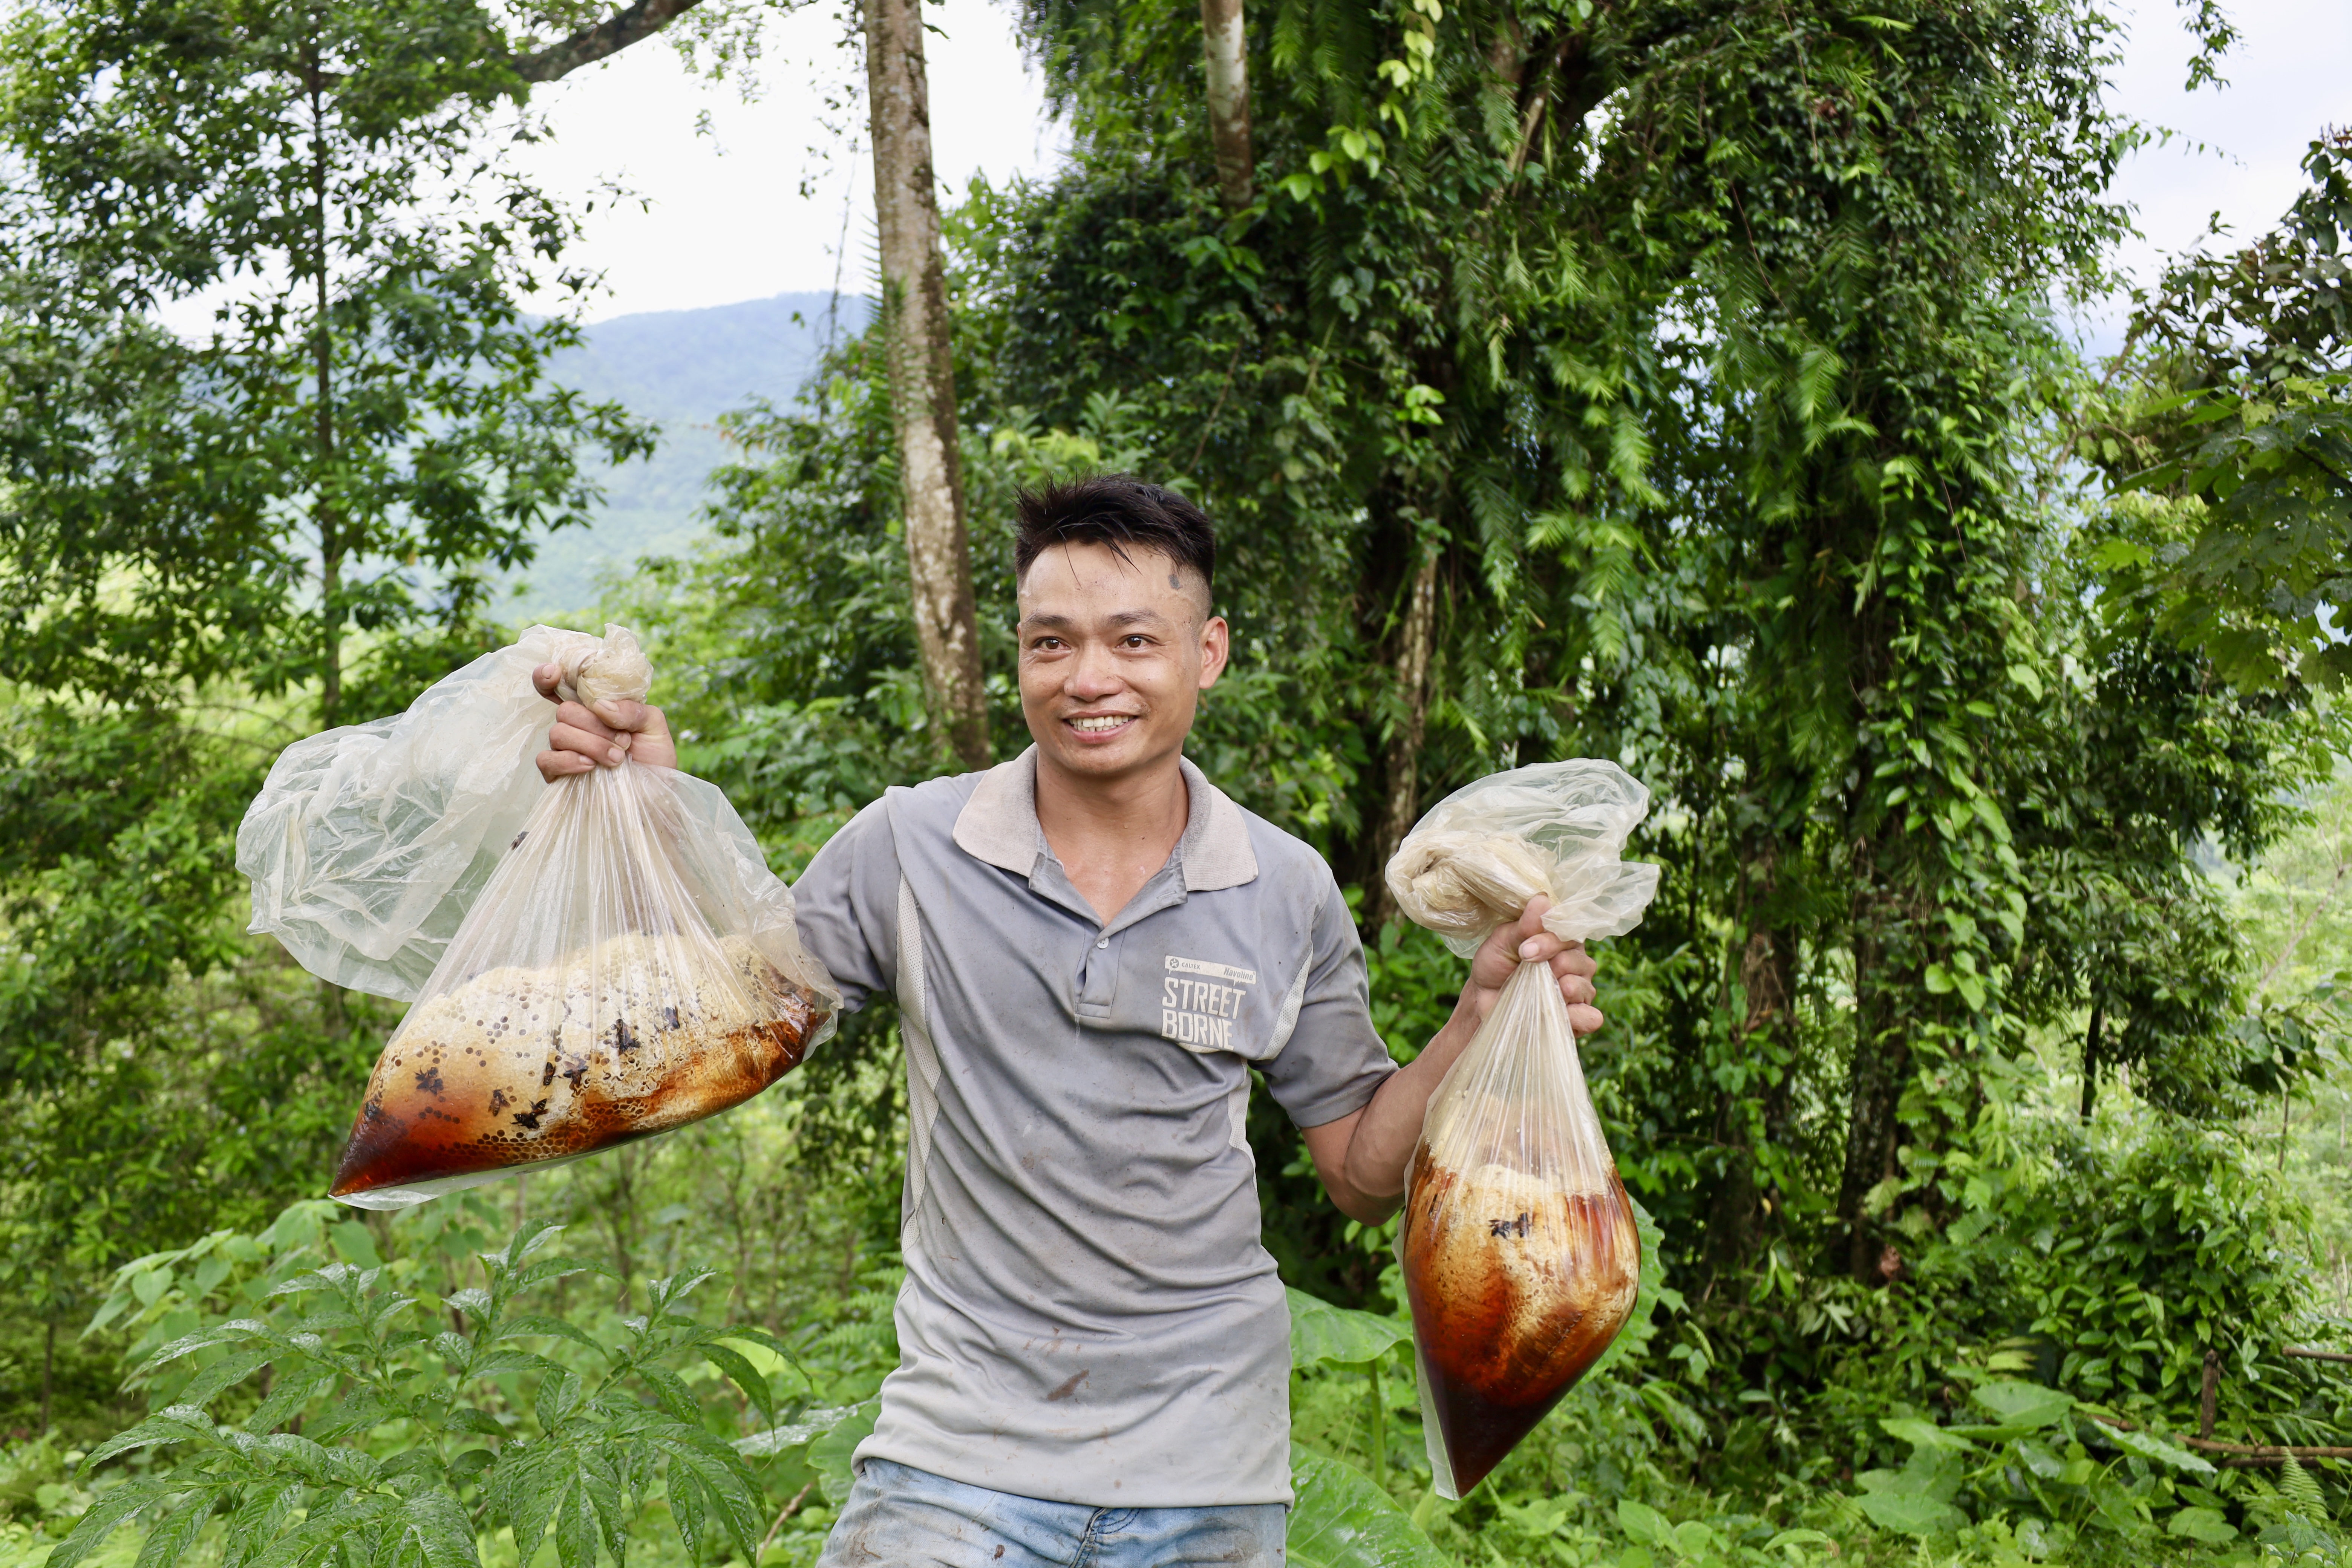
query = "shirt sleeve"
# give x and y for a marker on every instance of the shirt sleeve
(847, 907)
(1334, 1060)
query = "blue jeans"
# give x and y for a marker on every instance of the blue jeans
(900, 1515)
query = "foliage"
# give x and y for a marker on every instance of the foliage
(367, 402)
(2249, 420)
(210, 537)
(347, 1353)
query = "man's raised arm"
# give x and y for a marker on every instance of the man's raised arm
(1362, 1156)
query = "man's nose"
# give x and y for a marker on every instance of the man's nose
(1094, 674)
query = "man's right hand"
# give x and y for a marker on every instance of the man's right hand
(606, 735)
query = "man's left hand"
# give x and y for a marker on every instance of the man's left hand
(1361, 1156)
(1527, 941)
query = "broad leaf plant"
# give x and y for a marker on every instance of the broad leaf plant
(479, 1423)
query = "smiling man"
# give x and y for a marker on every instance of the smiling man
(1092, 948)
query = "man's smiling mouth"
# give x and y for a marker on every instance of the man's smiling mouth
(1101, 724)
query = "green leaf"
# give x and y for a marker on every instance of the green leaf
(689, 1502)
(747, 1377)
(443, 1536)
(1646, 1524)
(1925, 1435)
(2147, 1446)
(2205, 1524)
(352, 1241)
(829, 1455)
(114, 1506)
(202, 1338)
(1911, 1513)
(500, 1363)
(526, 1486)
(602, 1487)
(169, 1541)
(2026, 1404)
(575, 1531)
(1321, 1332)
(813, 1425)
(179, 1424)
(558, 1397)
(671, 1390)
(325, 1529)
(225, 1372)
(1342, 1519)
(525, 1327)
(257, 1521)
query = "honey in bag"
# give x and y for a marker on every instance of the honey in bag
(616, 963)
(1518, 1243)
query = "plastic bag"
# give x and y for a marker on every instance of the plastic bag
(1520, 1257)
(628, 964)
(368, 844)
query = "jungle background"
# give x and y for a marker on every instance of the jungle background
(1680, 382)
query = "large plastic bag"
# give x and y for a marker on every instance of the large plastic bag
(622, 963)
(368, 844)
(1519, 1252)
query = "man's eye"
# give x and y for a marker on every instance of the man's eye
(1138, 642)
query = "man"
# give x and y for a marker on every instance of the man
(1092, 947)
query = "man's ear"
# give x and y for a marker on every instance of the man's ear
(1216, 648)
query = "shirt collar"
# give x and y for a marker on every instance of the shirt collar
(999, 825)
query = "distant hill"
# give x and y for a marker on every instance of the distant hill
(682, 369)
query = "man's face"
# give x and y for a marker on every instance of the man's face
(1114, 657)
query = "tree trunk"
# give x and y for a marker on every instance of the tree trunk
(2091, 1056)
(1227, 49)
(1414, 642)
(322, 350)
(1882, 1061)
(1768, 978)
(922, 374)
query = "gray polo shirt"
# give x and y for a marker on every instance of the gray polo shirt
(1088, 1316)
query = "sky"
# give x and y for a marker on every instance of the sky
(741, 200)
(751, 199)
(2237, 150)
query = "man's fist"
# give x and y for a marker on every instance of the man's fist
(1527, 941)
(607, 735)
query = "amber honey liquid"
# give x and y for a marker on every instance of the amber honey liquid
(1509, 1309)
(433, 1136)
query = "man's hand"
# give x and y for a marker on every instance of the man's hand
(1362, 1157)
(584, 739)
(1508, 947)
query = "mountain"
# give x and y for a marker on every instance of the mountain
(681, 369)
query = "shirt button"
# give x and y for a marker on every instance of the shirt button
(1104, 943)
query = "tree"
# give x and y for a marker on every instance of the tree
(2240, 400)
(914, 319)
(1692, 433)
(366, 409)
(1225, 48)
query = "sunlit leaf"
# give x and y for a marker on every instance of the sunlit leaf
(1321, 1332)
(1342, 1519)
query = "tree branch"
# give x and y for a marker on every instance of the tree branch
(607, 38)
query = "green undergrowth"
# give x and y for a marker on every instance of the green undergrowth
(408, 1392)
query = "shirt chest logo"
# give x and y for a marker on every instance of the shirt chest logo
(1199, 1002)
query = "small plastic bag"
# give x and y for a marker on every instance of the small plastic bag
(1518, 1244)
(624, 964)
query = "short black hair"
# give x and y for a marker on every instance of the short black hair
(1117, 510)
